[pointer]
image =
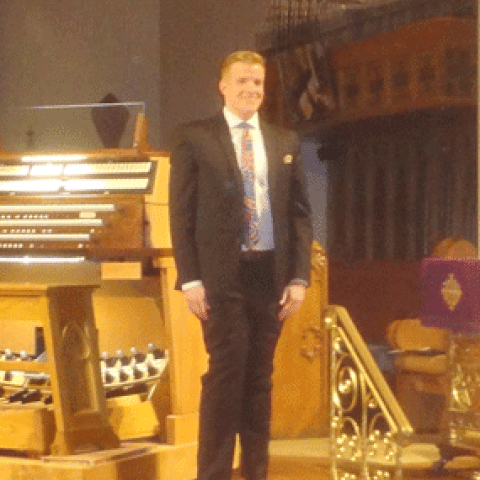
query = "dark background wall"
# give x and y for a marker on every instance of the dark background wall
(194, 37)
(164, 53)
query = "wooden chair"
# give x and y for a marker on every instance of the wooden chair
(421, 381)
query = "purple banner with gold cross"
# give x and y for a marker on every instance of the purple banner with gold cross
(451, 294)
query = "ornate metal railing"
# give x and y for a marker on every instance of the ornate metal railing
(368, 426)
(464, 399)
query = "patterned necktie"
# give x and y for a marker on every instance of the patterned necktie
(247, 167)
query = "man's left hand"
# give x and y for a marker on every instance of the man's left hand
(291, 300)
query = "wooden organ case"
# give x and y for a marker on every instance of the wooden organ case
(89, 317)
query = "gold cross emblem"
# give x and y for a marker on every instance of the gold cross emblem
(451, 292)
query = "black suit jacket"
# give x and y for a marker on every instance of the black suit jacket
(206, 205)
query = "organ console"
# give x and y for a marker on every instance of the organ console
(89, 315)
(71, 203)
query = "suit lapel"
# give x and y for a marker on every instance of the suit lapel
(270, 141)
(221, 131)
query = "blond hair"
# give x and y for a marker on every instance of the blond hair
(245, 56)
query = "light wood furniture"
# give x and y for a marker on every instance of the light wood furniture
(300, 396)
(455, 248)
(421, 378)
(72, 361)
(122, 225)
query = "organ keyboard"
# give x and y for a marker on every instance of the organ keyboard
(71, 202)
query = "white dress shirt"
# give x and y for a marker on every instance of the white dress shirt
(264, 211)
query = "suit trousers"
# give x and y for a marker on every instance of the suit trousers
(240, 335)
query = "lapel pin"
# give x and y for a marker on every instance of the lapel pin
(287, 159)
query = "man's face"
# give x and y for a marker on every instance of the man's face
(242, 88)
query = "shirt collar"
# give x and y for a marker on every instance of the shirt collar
(233, 121)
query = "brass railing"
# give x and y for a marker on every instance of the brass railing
(464, 398)
(368, 426)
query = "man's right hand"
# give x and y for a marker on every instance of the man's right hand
(196, 299)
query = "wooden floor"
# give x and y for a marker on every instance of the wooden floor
(286, 470)
(280, 470)
(299, 474)
(304, 459)
(309, 460)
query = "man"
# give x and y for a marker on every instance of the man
(241, 234)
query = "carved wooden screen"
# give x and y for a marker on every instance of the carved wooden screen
(400, 184)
